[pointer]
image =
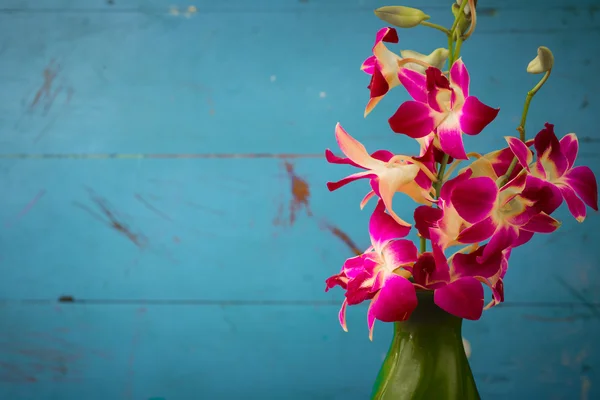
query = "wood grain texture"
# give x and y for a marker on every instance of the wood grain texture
(165, 226)
(300, 352)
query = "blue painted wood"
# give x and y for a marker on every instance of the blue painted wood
(143, 176)
(189, 352)
(168, 228)
(118, 98)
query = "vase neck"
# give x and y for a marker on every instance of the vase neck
(426, 359)
(429, 318)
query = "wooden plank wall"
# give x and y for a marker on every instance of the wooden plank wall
(165, 227)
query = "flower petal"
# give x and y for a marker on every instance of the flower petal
(463, 298)
(366, 199)
(583, 181)
(475, 116)
(387, 34)
(521, 151)
(541, 223)
(464, 265)
(478, 232)
(475, 198)
(383, 228)
(575, 205)
(502, 239)
(569, 146)
(429, 274)
(425, 218)
(369, 65)
(342, 315)
(400, 253)
(549, 152)
(459, 76)
(450, 134)
(350, 178)
(395, 301)
(354, 150)
(415, 84)
(413, 119)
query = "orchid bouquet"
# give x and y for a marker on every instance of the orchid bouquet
(473, 217)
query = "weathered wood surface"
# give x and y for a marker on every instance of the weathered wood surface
(163, 177)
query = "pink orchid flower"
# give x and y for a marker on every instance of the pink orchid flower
(388, 174)
(382, 66)
(474, 209)
(456, 281)
(378, 274)
(555, 168)
(442, 106)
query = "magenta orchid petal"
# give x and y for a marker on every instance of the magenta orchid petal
(475, 198)
(478, 232)
(459, 76)
(413, 119)
(569, 146)
(342, 315)
(541, 223)
(549, 151)
(502, 239)
(463, 298)
(383, 228)
(475, 116)
(521, 151)
(332, 186)
(399, 253)
(415, 84)
(524, 237)
(427, 273)
(450, 136)
(387, 34)
(574, 204)
(583, 182)
(369, 65)
(359, 288)
(469, 264)
(425, 217)
(547, 196)
(395, 301)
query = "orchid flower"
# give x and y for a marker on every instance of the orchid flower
(456, 281)
(388, 174)
(442, 105)
(378, 274)
(384, 65)
(555, 166)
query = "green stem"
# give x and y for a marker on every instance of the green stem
(521, 127)
(423, 247)
(436, 26)
(440, 177)
(459, 42)
(450, 51)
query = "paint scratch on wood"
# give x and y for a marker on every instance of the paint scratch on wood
(45, 91)
(27, 208)
(150, 207)
(110, 218)
(337, 232)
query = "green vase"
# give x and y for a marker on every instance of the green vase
(426, 359)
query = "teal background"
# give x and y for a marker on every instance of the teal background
(163, 175)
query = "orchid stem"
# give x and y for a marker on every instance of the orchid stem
(461, 10)
(459, 42)
(521, 127)
(441, 171)
(436, 26)
(423, 246)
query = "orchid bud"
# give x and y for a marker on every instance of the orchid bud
(436, 58)
(402, 17)
(542, 63)
(464, 23)
(467, 9)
